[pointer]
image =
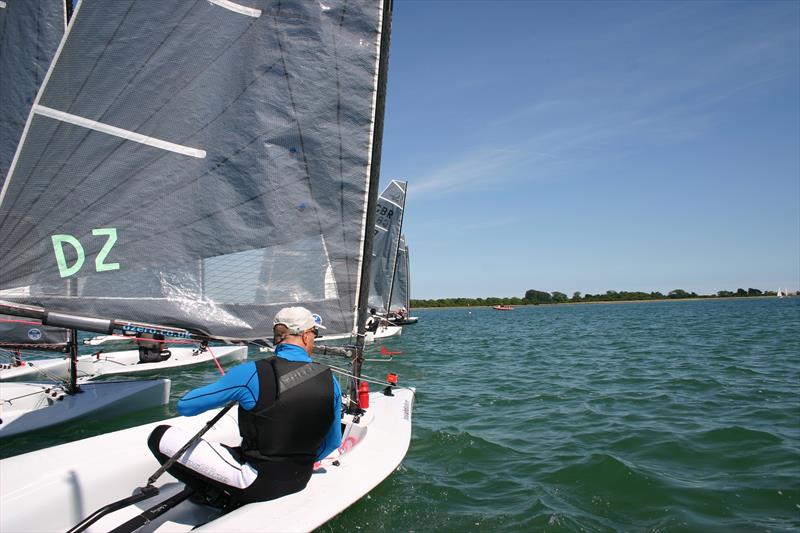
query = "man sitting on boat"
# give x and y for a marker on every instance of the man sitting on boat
(374, 321)
(151, 348)
(284, 429)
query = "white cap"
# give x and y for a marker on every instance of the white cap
(298, 319)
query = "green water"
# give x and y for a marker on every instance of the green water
(660, 416)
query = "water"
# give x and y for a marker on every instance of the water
(656, 416)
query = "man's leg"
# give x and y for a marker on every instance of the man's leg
(207, 467)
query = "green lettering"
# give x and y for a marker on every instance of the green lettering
(99, 263)
(58, 242)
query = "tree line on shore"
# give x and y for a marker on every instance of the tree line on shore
(534, 297)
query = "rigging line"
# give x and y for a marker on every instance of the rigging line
(369, 379)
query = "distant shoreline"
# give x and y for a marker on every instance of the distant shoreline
(612, 302)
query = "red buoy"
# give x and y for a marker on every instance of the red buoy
(391, 378)
(363, 395)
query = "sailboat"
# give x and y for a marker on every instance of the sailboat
(780, 293)
(388, 229)
(214, 162)
(49, 394)
(400, 301)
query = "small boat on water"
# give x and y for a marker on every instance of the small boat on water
(400, 301)
(502, 308)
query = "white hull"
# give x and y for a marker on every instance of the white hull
(38, 370)
(383, 332)
(31, 406)
(116, 363)
(127, 362)
(110, 341)
(70, 484)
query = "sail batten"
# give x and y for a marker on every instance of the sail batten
(118, 132)
(237, 8)
(199, 168)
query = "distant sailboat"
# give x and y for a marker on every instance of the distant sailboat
(400, 303)
(780, 294)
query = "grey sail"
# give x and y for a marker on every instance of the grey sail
(29, 35)
(388, 226)
(200, 164)
(401, 286)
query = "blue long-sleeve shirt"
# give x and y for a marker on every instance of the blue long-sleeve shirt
(240, 384)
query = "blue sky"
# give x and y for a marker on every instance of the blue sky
(593, 146)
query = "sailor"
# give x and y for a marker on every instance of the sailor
(289, 418)
(374, 321)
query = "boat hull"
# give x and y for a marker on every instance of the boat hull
(38, 405)
(117, 363)
(72, 484)
(127, 362)
(404, 321)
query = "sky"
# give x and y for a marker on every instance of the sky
(595, 146)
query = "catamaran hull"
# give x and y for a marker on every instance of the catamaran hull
(32, 406)
(71, 484)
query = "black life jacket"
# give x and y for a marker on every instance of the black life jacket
(293, 413)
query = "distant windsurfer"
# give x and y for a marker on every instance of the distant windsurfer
(285, 429)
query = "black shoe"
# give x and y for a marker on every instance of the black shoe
(212, 497)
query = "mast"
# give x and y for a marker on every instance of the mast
(374, 179)
(72, 387)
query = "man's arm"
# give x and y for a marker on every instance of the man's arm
(333, 439)
(240, 384)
